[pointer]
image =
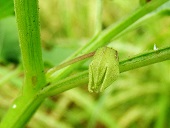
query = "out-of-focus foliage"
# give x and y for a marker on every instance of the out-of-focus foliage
(6, 8)
(9, 44)
(138, 99)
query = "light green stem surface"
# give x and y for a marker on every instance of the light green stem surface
(29, 34)
(106, 35)
(141, 60)
(22, 109)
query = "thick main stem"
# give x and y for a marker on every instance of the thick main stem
(27, 15)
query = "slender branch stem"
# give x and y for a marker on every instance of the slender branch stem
(77, 59)
(98, 21)
(105, 36)
(80, 79)
(29, 34)
(145, 59)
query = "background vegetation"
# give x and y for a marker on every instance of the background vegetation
(138, 99)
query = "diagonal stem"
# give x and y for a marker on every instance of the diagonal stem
(80, 79)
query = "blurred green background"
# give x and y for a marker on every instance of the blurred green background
(138, 99)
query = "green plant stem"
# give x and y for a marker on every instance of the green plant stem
(105, 36)
(27, 15)
(98, 21)
(31, 97)
(22, 109)
(145, 59)
(77, 59)
(79, 79)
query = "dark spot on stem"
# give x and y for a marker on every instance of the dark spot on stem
(148, 0)
(48, 84)
(34, 80)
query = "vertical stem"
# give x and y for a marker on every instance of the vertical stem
(27, 15)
